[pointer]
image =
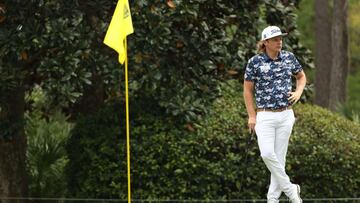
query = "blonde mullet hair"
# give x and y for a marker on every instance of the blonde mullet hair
(260, 46)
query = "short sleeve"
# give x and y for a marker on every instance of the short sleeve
(297, 67)
(250, 71)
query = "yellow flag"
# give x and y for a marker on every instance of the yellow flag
(120, 26)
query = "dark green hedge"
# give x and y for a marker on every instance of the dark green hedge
(325, 155)
(213, 159)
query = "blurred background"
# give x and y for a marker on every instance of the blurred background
(307, 27)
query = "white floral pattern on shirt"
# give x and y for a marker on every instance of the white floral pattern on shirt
(272, 78)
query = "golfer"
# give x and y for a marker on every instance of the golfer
(268, 74)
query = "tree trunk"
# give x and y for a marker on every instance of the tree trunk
(13, 178)
(322, 53)
(339, 48)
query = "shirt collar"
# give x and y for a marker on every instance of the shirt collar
(267, 58)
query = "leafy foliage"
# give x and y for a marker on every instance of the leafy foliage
(167, 163)
(47, 132)
(105, 138)
(326, 147)
(284, 15)
(55, 47)
(178, 53)
(46, 155)
(217, 160)
(186, 50)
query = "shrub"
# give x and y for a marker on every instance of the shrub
(212, 159)
(325, 153)
(46, 155)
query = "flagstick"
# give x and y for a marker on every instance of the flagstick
(127, 123)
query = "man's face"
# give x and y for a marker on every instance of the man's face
(274, 44)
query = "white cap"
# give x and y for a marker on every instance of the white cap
(270, 32)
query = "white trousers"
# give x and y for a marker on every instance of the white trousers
(273, 130)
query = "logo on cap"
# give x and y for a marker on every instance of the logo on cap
(275, 31)
(270, 32)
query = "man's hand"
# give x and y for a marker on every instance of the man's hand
(251, 124)
(294, 96)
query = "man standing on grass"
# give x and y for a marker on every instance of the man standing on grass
(269, 74)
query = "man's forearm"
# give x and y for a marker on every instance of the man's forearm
(249, 103)
(300, 83)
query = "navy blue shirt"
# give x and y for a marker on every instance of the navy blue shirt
(272, 78)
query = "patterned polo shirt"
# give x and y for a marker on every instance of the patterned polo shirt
(272, 78)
